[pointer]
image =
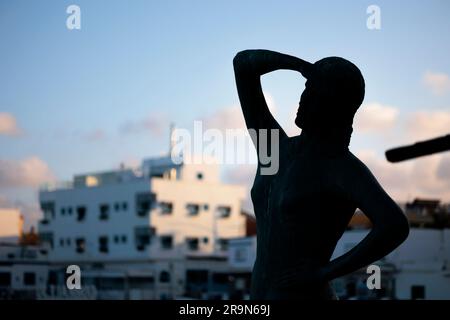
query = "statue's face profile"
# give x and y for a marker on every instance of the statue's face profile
(311, 102)
(333, 92)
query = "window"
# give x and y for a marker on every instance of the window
(164, 276)
(166, 207)
(206, 207)
(116, 239)
(222, 244)
(103, 244)
(193, 209)
(240, 255)
(63, 211)
(144, 203)
(199, 176)
(29, 278)
(124, 239)
(116, 206)
(104, 212)
(69, 211)
(220, 278)
(124, 206)
(5, 279)
(142, 237)
(223, 211)
(205, 240)
(68, 242)
(417, 292)
(61, 242)
(46, 237)
(166, 242)
(192, 243)
(48, 208)
(81, 213)
(80, 245)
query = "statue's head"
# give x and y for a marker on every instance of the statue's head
(334, 91)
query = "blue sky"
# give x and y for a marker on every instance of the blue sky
(86, 100)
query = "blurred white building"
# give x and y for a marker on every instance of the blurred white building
(417, 269)
(148, 230)
(23, 271)
(11, 224)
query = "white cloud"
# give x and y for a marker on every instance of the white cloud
(231, 117)
(376, 118)
(155, 123)
(225, 118)
(29, 172)
(421, 177)
(94, 135)
(428, 124)
(438, 83)
(8, 125)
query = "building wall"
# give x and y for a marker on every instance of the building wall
(66, 229)
(242, 253)
(10, 223)
(209, 196)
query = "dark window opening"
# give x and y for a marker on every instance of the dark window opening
(69, 211)
(103, 244)
(222, 244)
(199, 176)
(144, 202)
(63, 211)
(48, 208)
(193, 209)
(81, 213)
(29, 278)
(116, 206)
(124, 206)
(164, 277)
(220, 278)
(80, 245)
(197, 276)
(417, 292)
(104, 212)
(192, 243)
(124, 239)
(166, 207)
(166, 242)
(142, 237)
(116, 239)
(224, 211)
(46, 238)
(5, 279)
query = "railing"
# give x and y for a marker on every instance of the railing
(51, 186)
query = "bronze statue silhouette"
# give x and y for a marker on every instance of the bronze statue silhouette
(303, 209)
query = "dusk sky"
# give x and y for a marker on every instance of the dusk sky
(76, 101)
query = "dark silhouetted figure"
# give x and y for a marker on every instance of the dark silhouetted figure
(303, 209)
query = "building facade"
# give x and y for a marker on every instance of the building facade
(143, 233)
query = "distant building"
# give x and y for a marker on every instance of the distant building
(428, 213)
(418, 269)
(151, 233)
(11, 224)
(23, 271)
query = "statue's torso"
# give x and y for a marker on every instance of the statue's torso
(300, 214)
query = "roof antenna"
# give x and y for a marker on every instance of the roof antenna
(171, 138)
